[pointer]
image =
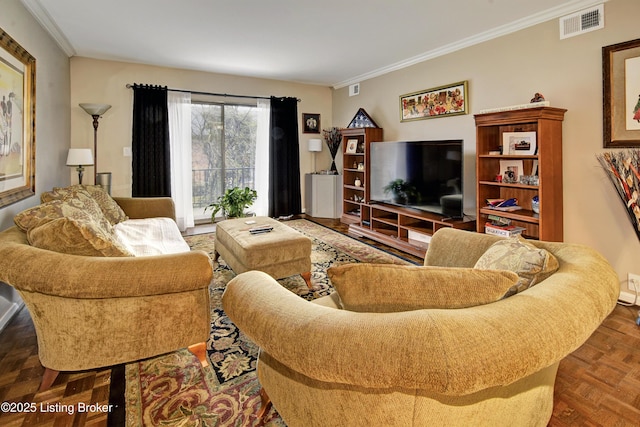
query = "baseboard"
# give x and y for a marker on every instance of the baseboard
(8, 315)
(629, 298)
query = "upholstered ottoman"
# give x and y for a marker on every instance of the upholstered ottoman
(280, 253)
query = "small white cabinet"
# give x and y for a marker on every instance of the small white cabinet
(323, 195)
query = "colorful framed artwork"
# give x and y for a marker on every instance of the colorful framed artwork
(310, 123)
(519, 143)
(621, 94)
(442, 101)
(17, 121)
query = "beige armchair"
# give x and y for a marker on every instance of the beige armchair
(92, 312)
(494, 364)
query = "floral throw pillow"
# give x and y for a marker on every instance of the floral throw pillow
(110, 209)
(530, 263)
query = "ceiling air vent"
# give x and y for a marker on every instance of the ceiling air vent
(582, 22)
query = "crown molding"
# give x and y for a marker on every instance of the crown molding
(494, 33)
(45, 20)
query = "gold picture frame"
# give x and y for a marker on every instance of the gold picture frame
(621, 94)
(17, 122)
(441, 101)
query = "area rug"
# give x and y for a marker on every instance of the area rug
(174, 390)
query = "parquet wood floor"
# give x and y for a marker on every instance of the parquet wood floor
(597, 385)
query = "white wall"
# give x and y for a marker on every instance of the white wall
(508, 71)
(52, 119)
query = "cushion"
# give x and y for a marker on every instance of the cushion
(110, 209)
(83, 207)
(76, 236)
(530, 263)
(381, 288)
(73, 225)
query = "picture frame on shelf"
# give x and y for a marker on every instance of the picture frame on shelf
(621, 94)
(310, 123)
(352, 146)
(17, 140)
(519, 143)
(441, 101)
(515, 168)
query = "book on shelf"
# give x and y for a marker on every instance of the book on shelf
(504, 205)
(505, 208)
(503, 231)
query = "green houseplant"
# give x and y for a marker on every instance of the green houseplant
(233, 202)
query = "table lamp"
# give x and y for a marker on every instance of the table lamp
(79, 157)
(315, 146)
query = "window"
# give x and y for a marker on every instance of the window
(223, 151)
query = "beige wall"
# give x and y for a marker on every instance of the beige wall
(52, 118)
(508, 71)
(105, 82)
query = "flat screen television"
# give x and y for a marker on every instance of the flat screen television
(424, 175)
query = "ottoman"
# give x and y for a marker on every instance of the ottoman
(280, 253)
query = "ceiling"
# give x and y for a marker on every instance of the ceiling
(325, 42)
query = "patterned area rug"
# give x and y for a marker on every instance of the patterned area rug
(174, 390)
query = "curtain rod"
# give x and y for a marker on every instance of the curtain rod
(227, 95)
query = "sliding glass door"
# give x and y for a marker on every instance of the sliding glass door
(223, 151)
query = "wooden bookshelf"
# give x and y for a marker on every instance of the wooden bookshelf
(546, 122)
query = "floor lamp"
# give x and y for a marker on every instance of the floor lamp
(95, 111)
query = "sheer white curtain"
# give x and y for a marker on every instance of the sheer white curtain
(179, 104)
(261, 205)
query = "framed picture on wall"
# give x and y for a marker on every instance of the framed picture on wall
(17, 121)
(621, 95)
(442, 101)
(310, 123)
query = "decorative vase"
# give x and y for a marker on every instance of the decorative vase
(535, 204)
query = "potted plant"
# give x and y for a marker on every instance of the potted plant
(233, 202)
(401, 189)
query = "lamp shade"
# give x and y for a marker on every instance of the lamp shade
(95, 109)
(315, 145)
(79, 157)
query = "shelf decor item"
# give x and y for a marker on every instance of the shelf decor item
(623, 169)
(520, 143)
(352, 146)
(621, 101)
(333, 138)
(447, 100)
(17, 121)
(362, 120)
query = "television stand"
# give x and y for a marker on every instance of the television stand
(408, 230)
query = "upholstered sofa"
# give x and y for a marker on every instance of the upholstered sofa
(101, 309)
(492, 361)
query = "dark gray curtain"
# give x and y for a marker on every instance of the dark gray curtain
(150, 145)
(284, 155)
